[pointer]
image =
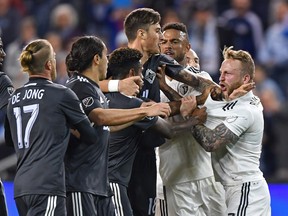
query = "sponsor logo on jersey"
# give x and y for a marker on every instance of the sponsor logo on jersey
(229, 106)
(87, 102)
(150, 76)
(183, 89)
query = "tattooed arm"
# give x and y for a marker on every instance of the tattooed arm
(211, 140)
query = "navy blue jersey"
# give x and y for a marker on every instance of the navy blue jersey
(151, 90)
(151, 87)
(123, 144)
(39, 117)
(86, 166)
(6, 90)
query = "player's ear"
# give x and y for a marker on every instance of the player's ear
(96, 59)
(141, 33)
(246, 78)
(48, 65)
(131, 72)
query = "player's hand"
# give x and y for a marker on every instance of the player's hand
(159, 109)
(131, 86)
(200, 115)
(188, 105)
(146, 104)
(242, 90)
(161, 75)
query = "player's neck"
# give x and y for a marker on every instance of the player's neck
(137, 45)
(91, 75)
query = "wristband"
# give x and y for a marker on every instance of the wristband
(113, 85)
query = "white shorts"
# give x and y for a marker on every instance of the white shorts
(203, 197)
(250, 198)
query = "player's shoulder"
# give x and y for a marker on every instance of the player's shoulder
(78, 82)
(247, 105)
(4, 76)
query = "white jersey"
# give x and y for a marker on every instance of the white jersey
(182, 159)
(239, 162)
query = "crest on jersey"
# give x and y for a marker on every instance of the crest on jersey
(231, 119)
(150, 76)
(87, 102)
(183, 89)
(10, 90)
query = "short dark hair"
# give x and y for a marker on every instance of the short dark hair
(140, 18)
(122, 60)
(175, 25)
(82, 53)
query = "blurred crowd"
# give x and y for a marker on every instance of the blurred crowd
(258, 26)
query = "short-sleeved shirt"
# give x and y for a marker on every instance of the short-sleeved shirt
(40, 115)
(239, 162)
(87, 165)
(6, 90)
(123, 144)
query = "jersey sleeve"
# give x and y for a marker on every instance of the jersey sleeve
(6, 90)
(172, 66)
(239, 122)
(72, 107)
(88, 96)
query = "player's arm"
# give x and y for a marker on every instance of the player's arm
(172, 95)
(129, 86)
(112, 117)
(121, 127)
(86, 132)
(170, 129)
(214, 139)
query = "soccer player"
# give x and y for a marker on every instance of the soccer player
(233, 133)
(143, 31)
(88, 191)
(189, 182)
(38, 118)
(6, 90)
(123, 144)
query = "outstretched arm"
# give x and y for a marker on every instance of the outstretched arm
(112, 117)
(211, 140)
